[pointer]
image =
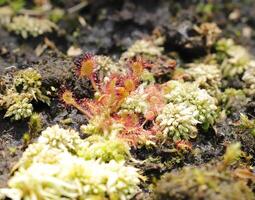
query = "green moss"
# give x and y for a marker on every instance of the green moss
(30, 26)
(21, 90)
(205, 184)
(209, 182)
(105, 149)
(206, 105)
(61, 164)
(247, 124)
(233, 59)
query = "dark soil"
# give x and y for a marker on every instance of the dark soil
(112, 26)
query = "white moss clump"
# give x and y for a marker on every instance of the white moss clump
(75, 178)
(105, 66)
(38, 153)
(234, 58)
(205, 104)
(150, 48)
(28, 79)
(65, 140)
(19, 110)
(207, 76)
(30, 26)
(178, 121)
(249, 79)
(61, 164)
(136, 102)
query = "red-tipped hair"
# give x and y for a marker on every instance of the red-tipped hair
(85, 65)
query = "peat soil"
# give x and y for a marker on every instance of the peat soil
(112, 26)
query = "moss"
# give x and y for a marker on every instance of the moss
(148, 48)
(105, 149)
(207, 76)
(209, 31)
(20, 91)
(249, 79)
(232, 100)
(247, 124)
(136, 102)
(233, 59)
(30, 26)
(79, 179)
(206, 105)
(194, 183)
(178, 121)
(212, 181)
(93, 168)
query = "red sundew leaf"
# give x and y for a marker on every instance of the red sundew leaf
(137, 65)
(155, 99)
(183, 145)
(244, 173)
(90, 105)
(85, 65)
(66, 96)
(133, 131)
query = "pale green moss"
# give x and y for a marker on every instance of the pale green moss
(21, 109)
(24, 87)
(75, 178)
(30, 26)
(136, 102)
(105, 149)
(205, 104)
(148, 48)
(178, 121)
(61, 164)
(207, 76)
(95, 127)
(249, 79)
(234, 59)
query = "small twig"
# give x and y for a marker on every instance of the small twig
(36, 13)
(77, 7)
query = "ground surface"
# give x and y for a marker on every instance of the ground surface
(111, 27)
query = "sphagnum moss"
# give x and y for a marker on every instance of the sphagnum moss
(178, 121)
(62, 164)
(233, 59)
(21, 90)
(206, 105)
(209, 182)
(30, 26)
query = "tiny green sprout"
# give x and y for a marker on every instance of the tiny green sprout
(232, 154)
(34, 127)
(247, 124)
